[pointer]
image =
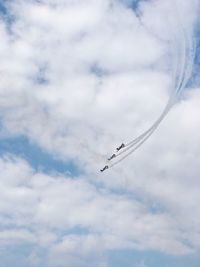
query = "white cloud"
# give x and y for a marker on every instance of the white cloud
(47, 206)
(105, 75)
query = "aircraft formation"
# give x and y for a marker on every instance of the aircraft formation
(183, 65)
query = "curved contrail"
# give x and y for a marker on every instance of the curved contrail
(165, 111)
(181, 76)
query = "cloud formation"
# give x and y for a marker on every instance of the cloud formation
(77, 78)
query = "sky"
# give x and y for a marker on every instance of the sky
(78, 78)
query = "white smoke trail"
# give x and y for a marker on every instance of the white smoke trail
(181, 61)
(177, 86)
(185, 57)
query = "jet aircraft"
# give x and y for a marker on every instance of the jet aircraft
(104, 168)
(112, 157)
(120, 147)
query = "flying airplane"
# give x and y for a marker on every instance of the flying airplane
(120, 147)
(104, 168)
(112, 157)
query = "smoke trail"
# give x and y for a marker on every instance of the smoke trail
(186, 60)
(167, 107)
(170, 101)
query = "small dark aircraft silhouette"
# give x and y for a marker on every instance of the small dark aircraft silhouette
(120, 147)
(112, 157)
(104, 168)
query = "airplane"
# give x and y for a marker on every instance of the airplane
(104, 168)
(120, 147)
(112, 157)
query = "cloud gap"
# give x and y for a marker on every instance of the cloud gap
(36, 157)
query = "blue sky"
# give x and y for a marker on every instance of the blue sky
(39, 159)
(77, 79)
(2, 7)
(152, 259)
